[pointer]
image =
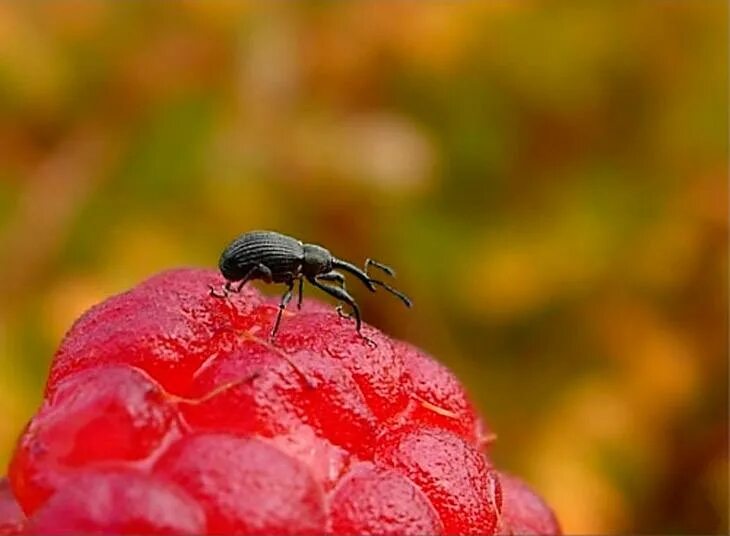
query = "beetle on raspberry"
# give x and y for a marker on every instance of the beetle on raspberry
(277, 258)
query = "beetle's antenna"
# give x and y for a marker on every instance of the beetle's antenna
(397, 293)
(368, 281)
(385, 268)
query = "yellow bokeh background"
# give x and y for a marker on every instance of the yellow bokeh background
(549, 179)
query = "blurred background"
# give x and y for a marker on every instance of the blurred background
(549, 179)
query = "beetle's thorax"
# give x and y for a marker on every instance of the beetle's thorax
(317, 260)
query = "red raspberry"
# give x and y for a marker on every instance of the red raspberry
(523, 511)
(250, 487)
(106, 413)
(12, 520)
(377, 500)
(165, 326)
(450, 472)
(444, 403)
(119, 502)
(168, 411)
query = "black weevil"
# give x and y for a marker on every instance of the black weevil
(276, 258)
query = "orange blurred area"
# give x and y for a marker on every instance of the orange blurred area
(549, 179)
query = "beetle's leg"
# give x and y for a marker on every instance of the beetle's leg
(341, 312)
(264, 273)
(339, 278)
(299, 300)
(259, 270)
(342, 295)
(334, 276)
(222, 293)
(387, 269)
(285, 299)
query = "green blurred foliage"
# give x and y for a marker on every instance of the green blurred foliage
(549, 179)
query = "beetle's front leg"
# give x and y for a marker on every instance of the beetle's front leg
(342, 295)
(338, 278)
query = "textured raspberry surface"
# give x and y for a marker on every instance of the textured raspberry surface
(249, 486)
(119, 501)
(523, 511)
(378, 500)
(12, 519)
(167, 411)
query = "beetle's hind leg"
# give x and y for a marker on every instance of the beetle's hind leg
(259, 271)
(222, 294)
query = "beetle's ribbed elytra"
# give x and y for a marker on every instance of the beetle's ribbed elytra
(277, 258)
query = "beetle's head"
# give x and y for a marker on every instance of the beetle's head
(317, 260)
